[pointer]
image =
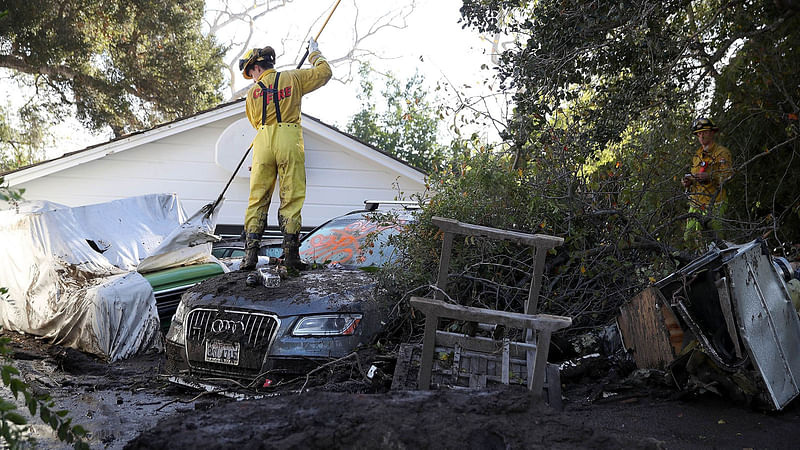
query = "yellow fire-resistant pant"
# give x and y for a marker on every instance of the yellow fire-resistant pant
(693, 236)
(277, 152)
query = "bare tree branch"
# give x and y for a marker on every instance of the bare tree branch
(223, 22)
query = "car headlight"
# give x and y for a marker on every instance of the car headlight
(175, 333)
(327, 325)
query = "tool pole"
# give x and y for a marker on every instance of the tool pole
(221, 194)
(305, 55)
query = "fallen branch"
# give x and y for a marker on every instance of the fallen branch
(330, 363)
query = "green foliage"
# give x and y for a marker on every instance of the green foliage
(405, 126)
(605, 93)
(599, 141)
(618, 83)
(23, 144)
(599, 265)
(757, 96)
(13, 425)
(124, 65)
(9, 195)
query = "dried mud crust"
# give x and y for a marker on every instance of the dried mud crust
(333, 284)
(406, 419)
(497, 419)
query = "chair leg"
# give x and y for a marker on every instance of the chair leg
(428, 343)
(536, 382)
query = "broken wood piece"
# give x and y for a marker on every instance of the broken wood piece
(650, 330)
(506, 360)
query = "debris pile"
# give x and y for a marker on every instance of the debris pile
(725, 323)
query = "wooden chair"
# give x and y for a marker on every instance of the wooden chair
(537, 327)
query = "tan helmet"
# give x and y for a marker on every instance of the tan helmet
(702, 124)
(255, 55)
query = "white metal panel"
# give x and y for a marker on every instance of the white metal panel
(768, 322)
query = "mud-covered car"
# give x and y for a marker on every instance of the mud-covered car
(224, 327)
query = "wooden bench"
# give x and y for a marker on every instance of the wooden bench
(537, 327)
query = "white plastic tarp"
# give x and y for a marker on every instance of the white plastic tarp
(71, 273)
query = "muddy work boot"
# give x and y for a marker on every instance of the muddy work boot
(251, 248)
(291, 252)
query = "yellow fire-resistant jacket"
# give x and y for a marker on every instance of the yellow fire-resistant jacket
(715, 161)
(292, 85)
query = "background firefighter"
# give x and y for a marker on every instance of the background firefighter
(273, 108)
(711, 167)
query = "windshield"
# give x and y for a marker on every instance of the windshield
(353, 240)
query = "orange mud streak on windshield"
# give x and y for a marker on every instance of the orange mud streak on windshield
(341, 245)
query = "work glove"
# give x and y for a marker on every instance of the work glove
(312, 46)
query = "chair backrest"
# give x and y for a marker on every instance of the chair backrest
(541, 244)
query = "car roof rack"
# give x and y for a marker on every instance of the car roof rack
(372, 205)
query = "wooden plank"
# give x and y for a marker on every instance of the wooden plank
(645, 323)
(444, 265)
(534, 240)
(553, 382)
(401, 378)
(481, 344)
(509, 319)
(426, 361)
(477, 381)
(456, 364)
(506, 361)
(483, 366)
(536, 382)
(532, 305)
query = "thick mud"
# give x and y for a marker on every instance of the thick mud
(131, 405)
(496, 419)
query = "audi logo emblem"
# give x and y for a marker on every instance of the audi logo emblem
(226, 326)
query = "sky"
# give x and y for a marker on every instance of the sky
(433, 44)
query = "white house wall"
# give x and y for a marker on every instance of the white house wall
(338, 180)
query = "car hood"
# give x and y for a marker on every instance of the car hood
(313, 292)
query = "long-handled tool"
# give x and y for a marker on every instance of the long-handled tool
(235, 171)
(305, 55)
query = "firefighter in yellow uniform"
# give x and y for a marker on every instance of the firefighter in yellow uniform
(273, 108)
(711, 168)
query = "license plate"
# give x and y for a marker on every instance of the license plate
(222, 352)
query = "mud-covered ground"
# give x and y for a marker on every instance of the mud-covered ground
(131, 405)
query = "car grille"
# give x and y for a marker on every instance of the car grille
(167, 303)
(253, 332)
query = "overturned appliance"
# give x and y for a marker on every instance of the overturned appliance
(724, 323)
